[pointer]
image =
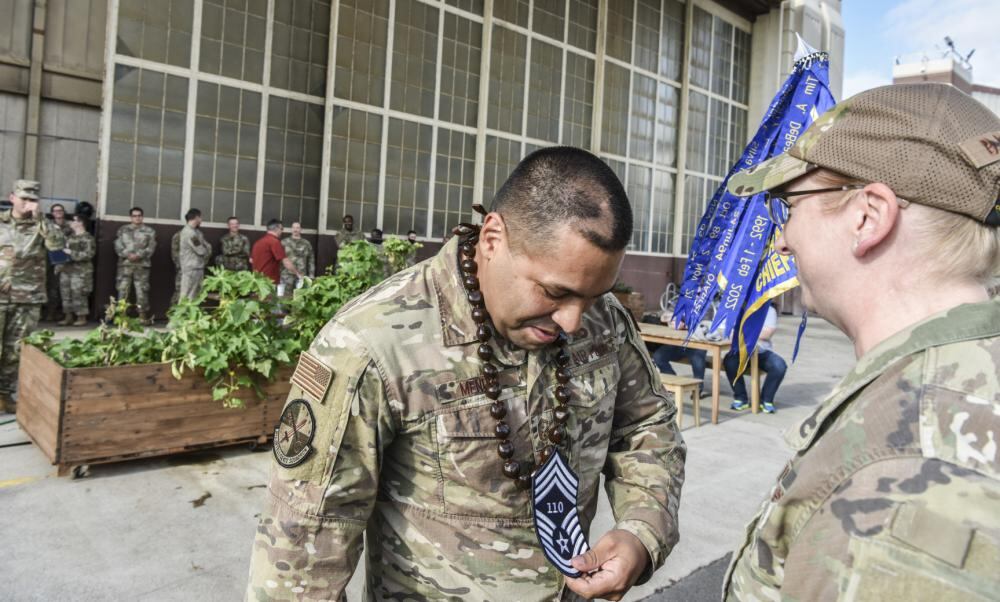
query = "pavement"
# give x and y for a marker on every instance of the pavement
(180, 528)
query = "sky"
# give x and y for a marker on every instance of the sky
(877, 31)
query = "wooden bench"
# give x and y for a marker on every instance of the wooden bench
(684, 387)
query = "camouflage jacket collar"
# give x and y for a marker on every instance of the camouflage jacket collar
(966, 322)
(8, 216)
(455, 311)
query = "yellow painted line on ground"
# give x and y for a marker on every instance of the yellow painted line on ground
(17, 481)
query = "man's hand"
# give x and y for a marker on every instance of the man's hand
(618, 559)
(133, 257)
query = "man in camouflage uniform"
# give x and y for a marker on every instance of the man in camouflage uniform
(235, 248)
(24, 237)
(134, 245)
(76, 278)
(347, 234)
(300, 252)
(411, 255)
(894, 489)
(376, 240)
(175, 256)
(54, 304)
(402, 436)
(193, 251)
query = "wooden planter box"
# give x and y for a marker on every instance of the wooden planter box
(82, 416)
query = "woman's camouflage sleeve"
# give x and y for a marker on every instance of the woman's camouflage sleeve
(309, 537)
(644, 470)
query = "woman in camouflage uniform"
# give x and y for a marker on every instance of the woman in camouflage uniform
(76, 279)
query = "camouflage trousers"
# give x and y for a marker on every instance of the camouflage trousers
(134, 276)
(16, 321)
(191, 283)
(75, 288)
(52, 277)
(289, 280)
(177, 286)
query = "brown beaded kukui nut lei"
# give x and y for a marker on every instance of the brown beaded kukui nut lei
(468, 238)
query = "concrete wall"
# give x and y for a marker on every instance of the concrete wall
(68, 93)
(68, 151)
(12, 113)
(818, 22)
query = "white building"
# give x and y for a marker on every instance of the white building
(401, 112)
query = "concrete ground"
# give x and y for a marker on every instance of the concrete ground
(180, 528)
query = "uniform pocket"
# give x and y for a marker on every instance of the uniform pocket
(472, 476)
(593, 391)
(886, 569)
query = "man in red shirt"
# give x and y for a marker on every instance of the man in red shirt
(268, 255)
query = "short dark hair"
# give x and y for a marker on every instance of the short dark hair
(82, 219)
(191, 214)
(274, 224)
(232, 217)
(411, 232)
(565, 185)
(54, 205)
(139, 209)
(348, 216)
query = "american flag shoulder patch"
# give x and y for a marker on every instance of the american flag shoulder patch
(312, 377)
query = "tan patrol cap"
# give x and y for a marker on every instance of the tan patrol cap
(27, 189)
(930, 143)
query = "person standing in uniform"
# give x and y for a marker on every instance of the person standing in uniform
(376, 240)
(889, 204)
(347, 234)
(411, 255)
(134, 245)
(175, 256)
(419, 413)
(235, 254)
(194, 252)
(268, 254)
(77, 277)
(24, 237)
(54, 305)
(300, 252)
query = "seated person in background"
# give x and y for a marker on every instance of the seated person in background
(662, 355)
(769, 362)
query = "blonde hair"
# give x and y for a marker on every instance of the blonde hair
(954, 246)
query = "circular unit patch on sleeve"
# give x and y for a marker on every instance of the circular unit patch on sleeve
(294, 434)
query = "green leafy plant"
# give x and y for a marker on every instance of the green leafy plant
(236, 342)
(621, 287)
(359, 267)
(398, 252)
(119, 340)
(232, 331)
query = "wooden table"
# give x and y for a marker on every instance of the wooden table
(657, 333)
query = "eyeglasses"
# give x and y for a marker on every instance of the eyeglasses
(778, 206)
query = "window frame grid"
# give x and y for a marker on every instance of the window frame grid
(677, 172)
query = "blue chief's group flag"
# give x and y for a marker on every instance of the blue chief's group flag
(733, 257)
